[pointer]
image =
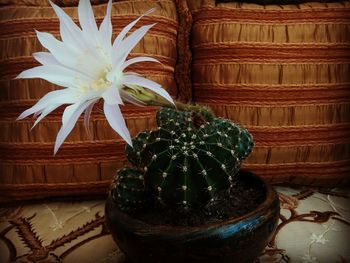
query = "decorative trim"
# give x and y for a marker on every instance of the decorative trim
(209, 15)
(24, 27)
(15, 192)
(301, 135)
(273, 95)
(272, 51)
(321, 173)
(41, 153)
(184, 55)
(9, 111)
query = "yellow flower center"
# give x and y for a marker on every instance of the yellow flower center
(106, 78)
(102, 82)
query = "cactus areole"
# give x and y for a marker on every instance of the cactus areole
(185, 162)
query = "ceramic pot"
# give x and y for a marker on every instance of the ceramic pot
(239, 239)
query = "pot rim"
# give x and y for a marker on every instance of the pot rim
(138, 225)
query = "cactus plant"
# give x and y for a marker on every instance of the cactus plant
(190, 158)
(128, 188)
(240, 138)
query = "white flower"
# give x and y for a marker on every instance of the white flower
(90, 67)
(318, 239)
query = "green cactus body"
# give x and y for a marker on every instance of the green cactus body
(167, 116)
(190, 157)
(241, 139)
(129, 190)
(134, 154)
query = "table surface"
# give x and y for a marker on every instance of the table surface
(314, 227)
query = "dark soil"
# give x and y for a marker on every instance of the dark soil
(241, 199)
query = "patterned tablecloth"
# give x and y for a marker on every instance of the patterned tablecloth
(314, 227)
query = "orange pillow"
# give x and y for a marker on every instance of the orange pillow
(283, 72)
(84, 165)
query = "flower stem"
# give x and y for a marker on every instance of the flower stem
(150, 98)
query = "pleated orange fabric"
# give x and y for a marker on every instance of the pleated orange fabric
(283, 71)
(83, 165)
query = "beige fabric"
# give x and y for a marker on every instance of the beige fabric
(282, 71)
(314, 227)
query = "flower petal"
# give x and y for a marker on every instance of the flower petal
(137, 60)
(129, 98)
(64, 96)
(45, 58)
(112, 96)
(117, 122)
(70, 32)
(56, 47)
(47, 40)
(58, 75)
(106, 25)
(95, 56)
(45, 112)
(128, 44)
(86, 61)
(149, 84)
(126, 29)
(87, 115)
(70, 116)
(87, 21)
(36, 114)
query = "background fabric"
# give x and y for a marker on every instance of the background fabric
(282, 71)
(314, 227)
